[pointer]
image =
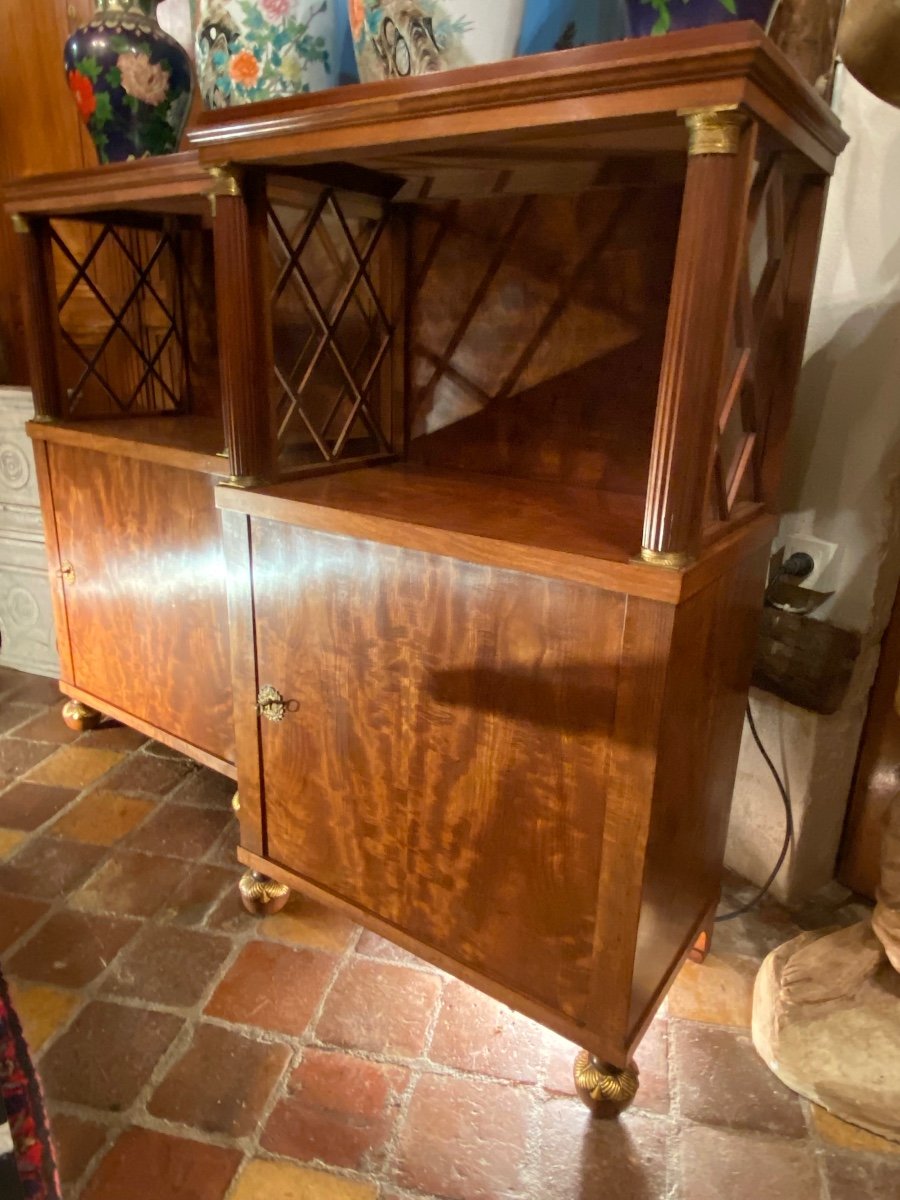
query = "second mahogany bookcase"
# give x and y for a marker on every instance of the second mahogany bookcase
(505, 361)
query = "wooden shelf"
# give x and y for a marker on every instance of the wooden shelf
(192, 443)
(561, 109)
(572, 520)
(573, 532)
(151, 187)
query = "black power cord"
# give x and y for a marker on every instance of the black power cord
(788, 830)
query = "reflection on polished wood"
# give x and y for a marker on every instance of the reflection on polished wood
(146, 616)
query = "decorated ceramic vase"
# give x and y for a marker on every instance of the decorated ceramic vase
(396, 38)
(131, 81)
(661, 16)
(252, 50)
(565, 24)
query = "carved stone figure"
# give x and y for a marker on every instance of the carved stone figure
(826, 1010)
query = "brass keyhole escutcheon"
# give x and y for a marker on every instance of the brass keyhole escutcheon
(66, 573)
(271, 704)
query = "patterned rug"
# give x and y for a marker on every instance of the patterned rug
(27, 1166)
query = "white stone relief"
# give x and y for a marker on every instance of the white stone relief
(14, 469)
(27, 637)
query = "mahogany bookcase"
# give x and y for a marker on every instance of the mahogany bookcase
(503, 364)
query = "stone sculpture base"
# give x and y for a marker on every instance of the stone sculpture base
(826, 1020)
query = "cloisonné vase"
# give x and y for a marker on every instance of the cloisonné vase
(131, 81)
(251, 50)
(397, 38)
(661, 16)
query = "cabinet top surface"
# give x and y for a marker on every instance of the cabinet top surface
(174, 183)
(631, 93)
(578, 533)
(624, 97)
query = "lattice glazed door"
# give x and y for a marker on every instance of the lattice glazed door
(122, 317)
(755, 368)
(333, 261)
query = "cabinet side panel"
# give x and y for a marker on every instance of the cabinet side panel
(706, 693)
(640, 712)
(147, 613)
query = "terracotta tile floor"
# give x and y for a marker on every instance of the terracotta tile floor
(191, 1052)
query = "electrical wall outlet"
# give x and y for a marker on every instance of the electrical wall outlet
(826, 556)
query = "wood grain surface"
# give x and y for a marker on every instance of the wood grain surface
(587, 95)
(710, 256)
(245, 330)
(706, 683)
(568, 532)
(40, 130)
(443, 763)
(505, 742)
(194, 443)
(175, 183)
(37, 282)
(535, 333)
(146, 612)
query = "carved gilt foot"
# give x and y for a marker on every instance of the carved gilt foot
(80, 717)
(606, 1090)
(261, 896)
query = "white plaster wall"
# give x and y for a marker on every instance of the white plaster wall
(843, 485)
(176, 18)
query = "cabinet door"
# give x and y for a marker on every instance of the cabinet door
(512, 704)
(443, 762)
(145, 602)
(339, 647)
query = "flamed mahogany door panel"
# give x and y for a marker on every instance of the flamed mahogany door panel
(147, 611)
(444, 759)
(512, 706)
(336, 644)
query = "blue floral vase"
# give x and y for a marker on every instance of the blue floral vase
(131, 81)
(661, 16)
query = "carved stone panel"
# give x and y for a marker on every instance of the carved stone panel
(27, 638)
